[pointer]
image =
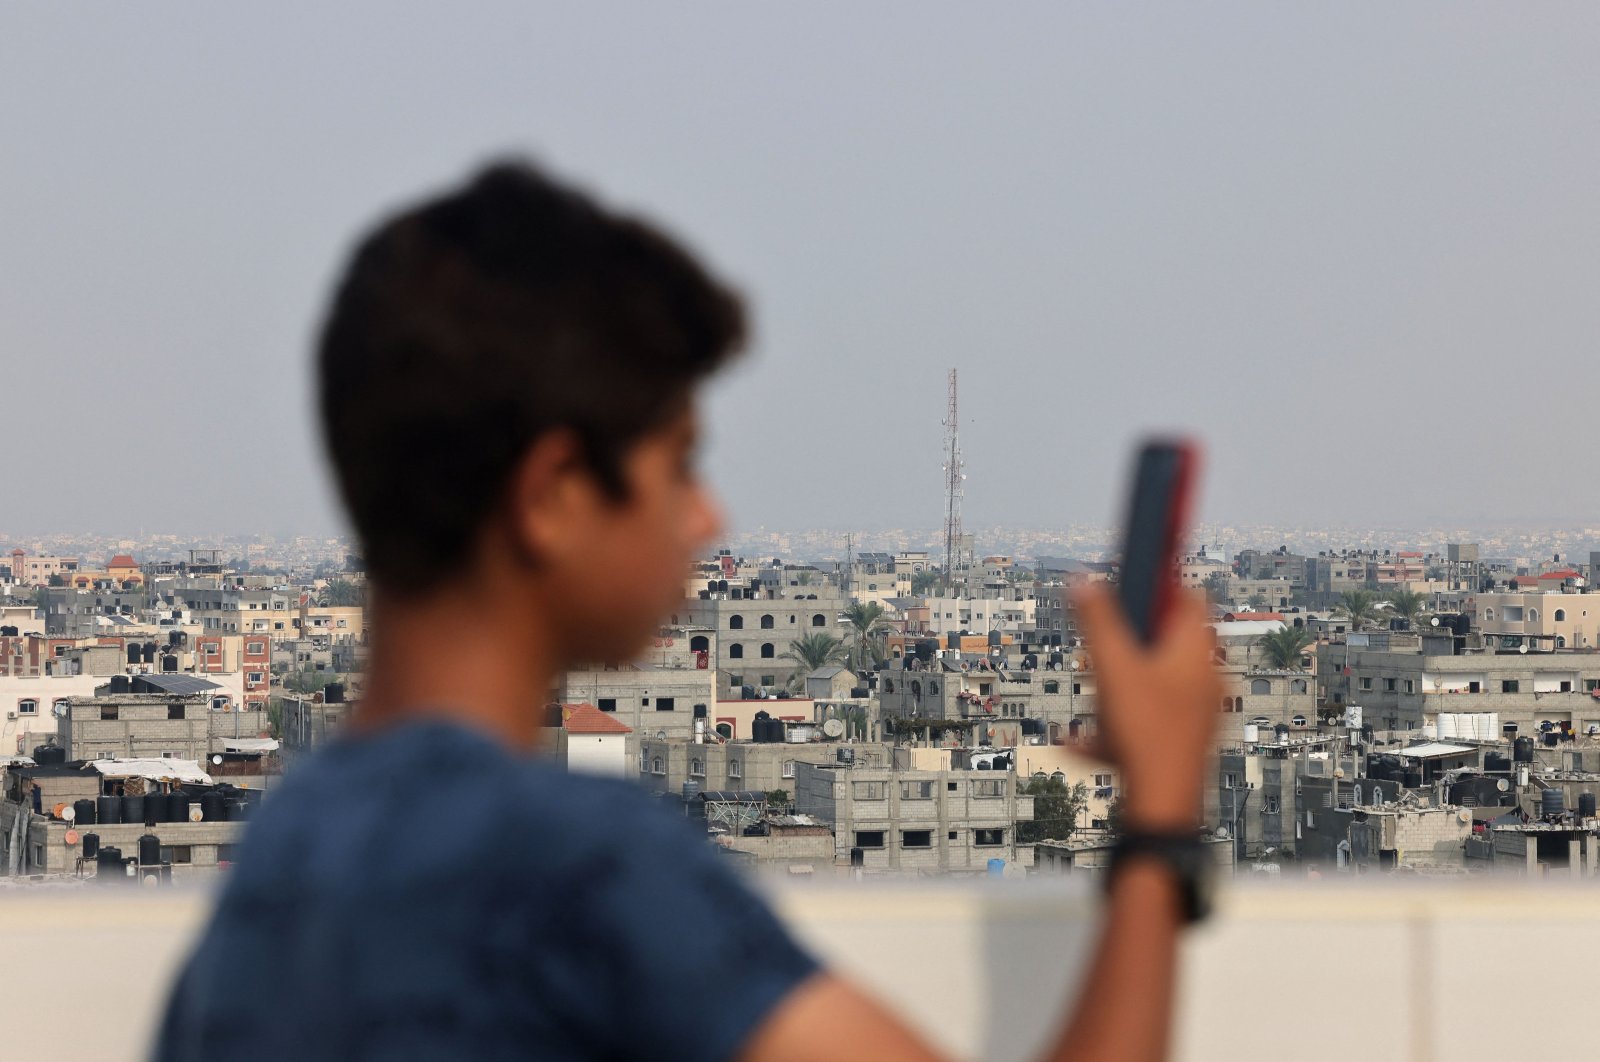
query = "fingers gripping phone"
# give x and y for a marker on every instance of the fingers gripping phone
(1158, 514)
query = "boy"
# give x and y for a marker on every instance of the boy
(507, 380)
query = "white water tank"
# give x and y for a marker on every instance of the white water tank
(1252, 733)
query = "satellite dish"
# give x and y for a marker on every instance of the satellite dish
(1077, 665)
(1502, 785)
(1222, 833)
(60, 711)
(217, 760)
(833, 728)
(1523, 648)
(69, 814)
(196, 813)
(1436, 621)
(661, 735)
(72, 837)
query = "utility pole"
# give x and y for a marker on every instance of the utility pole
(953, 478)
(849, 561)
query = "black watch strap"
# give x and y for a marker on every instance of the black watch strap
(1184, 855)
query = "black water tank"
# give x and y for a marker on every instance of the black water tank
(108, 866)
(49, 755)
(1552, 803)
(177, 806)
(83, 812)
(1496, 763)
(1281, 731)
(236, 808)
(132, 808)
(149, 652)
(333, 693)
(213, 807)
(149, 850)
(1522, 750)
(994, 639)
(121, 684)
(925, 648)
(1413, 780)
(108, 810)
(169, 664)
(1586, 805)
(91, 845)
(133, 652)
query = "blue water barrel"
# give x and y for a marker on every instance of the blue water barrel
(997, 868)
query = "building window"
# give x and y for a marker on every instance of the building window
(916, 839)
(697, 768)
(867, 790)
(989, 787)
(735, 769)
(735, 651)
(658, 766)
(767, 623)
(606, 704)
(916, 790)
(988, 838)
(869, 839)
(769, 680)
(1561, 614)
(666, 704)
(174, 711)
(256, 648)
(1510, 686)
(1410, 686)
(1103, 781)
(1297, 686)
(1388, 685)
(1298, 720)
(177, 854)
(108, 713)
(736, 623)
(1260, 686)
(1052, 687)
(28, 707)
(788, 768)
(768, 651)
(1366, 682)
(819, 620)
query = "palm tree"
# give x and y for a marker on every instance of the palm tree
(867, 623)
(1408, 604)
(1284, 647)
(811, 652)
(1358, 606)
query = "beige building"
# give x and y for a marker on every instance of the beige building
(1556, 621)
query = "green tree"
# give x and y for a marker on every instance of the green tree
(1409, 605)
(866, 626)
(1216, 585)
(1284, 647)
(57, 580)
(1257, 603)
(1056, 807)
(1359, 607)
(923, 581)
(1114, 817)
(778, 798)
(341, 593)
(811, 652)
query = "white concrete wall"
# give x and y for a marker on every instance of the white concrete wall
(603, 754)
(982, 968)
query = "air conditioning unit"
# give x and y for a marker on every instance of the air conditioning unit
(11, 715)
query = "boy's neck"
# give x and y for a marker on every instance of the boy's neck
(459, 657)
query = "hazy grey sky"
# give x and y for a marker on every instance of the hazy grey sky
(1356, 248)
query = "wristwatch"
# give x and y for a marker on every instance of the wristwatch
(1184, 855)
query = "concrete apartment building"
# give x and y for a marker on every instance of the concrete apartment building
(156, 717)
(665, 765)
(750, 629)
(928, 822)
(1403, 680)
(37, 570)
(1547, 620)
(665, 691)
(1061, 701)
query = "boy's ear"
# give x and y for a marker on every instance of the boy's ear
(549, 494)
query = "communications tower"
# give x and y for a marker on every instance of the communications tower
(953, 477)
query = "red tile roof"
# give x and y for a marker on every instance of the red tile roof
(587, 719)
(122, 560)
(1565, 573)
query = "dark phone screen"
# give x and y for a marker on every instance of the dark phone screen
(1150, 534)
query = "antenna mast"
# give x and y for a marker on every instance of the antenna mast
(953, 478)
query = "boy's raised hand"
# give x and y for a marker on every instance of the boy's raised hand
(1157, 705)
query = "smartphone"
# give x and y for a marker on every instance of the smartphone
(1158, 515)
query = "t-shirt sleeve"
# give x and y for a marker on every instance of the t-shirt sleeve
(656, 949)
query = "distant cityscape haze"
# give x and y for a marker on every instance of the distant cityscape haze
(1354, 251)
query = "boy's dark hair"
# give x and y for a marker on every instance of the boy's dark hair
(470, 325)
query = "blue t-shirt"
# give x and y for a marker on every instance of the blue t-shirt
(423, 893)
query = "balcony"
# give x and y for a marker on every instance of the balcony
(981, 966)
